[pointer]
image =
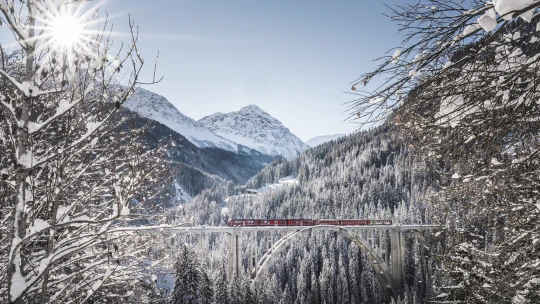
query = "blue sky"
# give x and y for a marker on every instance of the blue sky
(292, 58)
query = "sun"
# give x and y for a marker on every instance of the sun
(66, 30)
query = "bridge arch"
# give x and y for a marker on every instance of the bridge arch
(391, 288)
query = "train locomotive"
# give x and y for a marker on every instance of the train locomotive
(304, 222)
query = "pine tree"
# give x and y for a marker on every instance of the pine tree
(192, 285)
(235, 295)
(221, 294)
(247, 294)
(287, 297)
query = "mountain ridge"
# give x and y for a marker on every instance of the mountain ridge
(254, 128)
(243, 131)
(156, 107)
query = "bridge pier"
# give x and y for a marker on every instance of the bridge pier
(268, 241)
(397, 267)
(200, 244)
(252, 255)
(235, 261)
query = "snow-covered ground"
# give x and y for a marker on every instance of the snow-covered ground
(286, 181)
(283, 182)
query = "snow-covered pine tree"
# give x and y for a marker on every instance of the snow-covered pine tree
(192, 285)
(287, 297)
(72, 173)
(247, 294)
(235, 291)
(221, 292)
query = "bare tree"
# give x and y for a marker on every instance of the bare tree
(73, 172)
(464, 88)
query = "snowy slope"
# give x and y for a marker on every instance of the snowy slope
(322, 139)
(158, 108)
(283, 182)
(256, 129)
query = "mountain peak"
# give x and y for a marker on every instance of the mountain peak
(256, 129)
(252, 108)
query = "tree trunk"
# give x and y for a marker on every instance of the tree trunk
(19, 227)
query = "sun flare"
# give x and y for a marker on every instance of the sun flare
(66, 30)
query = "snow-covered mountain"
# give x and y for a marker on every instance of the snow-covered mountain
(256, 129)
(158, 108)
(315, 141)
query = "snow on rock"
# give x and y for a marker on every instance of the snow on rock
(256, 129)
(158, 108)
(322, 139)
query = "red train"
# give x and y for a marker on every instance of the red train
(304, 222)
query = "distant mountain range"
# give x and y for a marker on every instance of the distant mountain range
(218, 148)
(248, 129)
(322, 139)
(156, 107)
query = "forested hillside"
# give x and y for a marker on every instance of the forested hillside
(199, 168)
(366, 175)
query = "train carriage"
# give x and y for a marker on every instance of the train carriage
(299, 222)
(273, 222)
(354, 222)
(380, 222)
(244, 222)
(233, 223)
(327, 222)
